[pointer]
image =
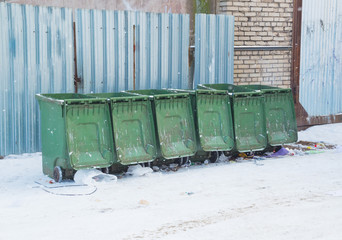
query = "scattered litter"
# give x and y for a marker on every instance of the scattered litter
(298, 152)
(2, 157)
(259, 158)
(256, 162)
(222, 158)
(281, 152)
(239, 159)
(307, 146)
(144, 202)
(67, 188)
(52, 184)
(164, 168)
(206, 162)
(314, 152)
(187, 163)
(138, 170)
(120, 175)
(174, 167)
(93, 176)
(189, 193)
(155, 169)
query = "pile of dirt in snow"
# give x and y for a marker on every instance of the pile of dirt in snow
(309, 146)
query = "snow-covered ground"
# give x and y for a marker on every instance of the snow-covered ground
(293, 197)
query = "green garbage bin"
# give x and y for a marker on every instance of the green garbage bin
(133, 127)
(174, 122)
(281, 125)
(248, 117)
(76, 133)
(213, 121)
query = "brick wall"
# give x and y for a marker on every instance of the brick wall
(261, 23)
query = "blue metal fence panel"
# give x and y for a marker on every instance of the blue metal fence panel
(36, 55)
(214, 49)
(105, 50)
(321, 57)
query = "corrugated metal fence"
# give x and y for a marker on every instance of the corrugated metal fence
(214, 49)
(37, 56)
(105, 50)
(321, 57)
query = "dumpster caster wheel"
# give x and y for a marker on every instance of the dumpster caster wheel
(214, 156)
(57, 174)
(105, 170)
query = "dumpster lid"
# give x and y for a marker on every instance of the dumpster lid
(69, 98)
(230, 89)
(265, 88)
(120, 96)
(160, 93)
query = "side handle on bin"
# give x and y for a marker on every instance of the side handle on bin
(64, 110)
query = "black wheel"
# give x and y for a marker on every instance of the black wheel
(213, 156)
(57, 174)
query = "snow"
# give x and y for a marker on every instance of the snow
(330, 133)
(293, 197)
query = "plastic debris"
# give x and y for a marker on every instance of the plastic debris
(93, 176)
(256, 162)
(281, 152)
(174, 166)
(155, 169)
(314, 152)
(144, 202)
(164, 168)
(259, 158)
(138, 170)
(223, 158)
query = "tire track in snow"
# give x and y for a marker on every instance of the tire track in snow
(220, 216)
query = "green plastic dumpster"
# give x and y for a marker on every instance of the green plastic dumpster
(248, 117)
(133, 126)
(281, 125)
(213, 121)
(200, 154)
(174, 122)
(76, 133)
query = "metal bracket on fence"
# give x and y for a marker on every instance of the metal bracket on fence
(257, 48)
